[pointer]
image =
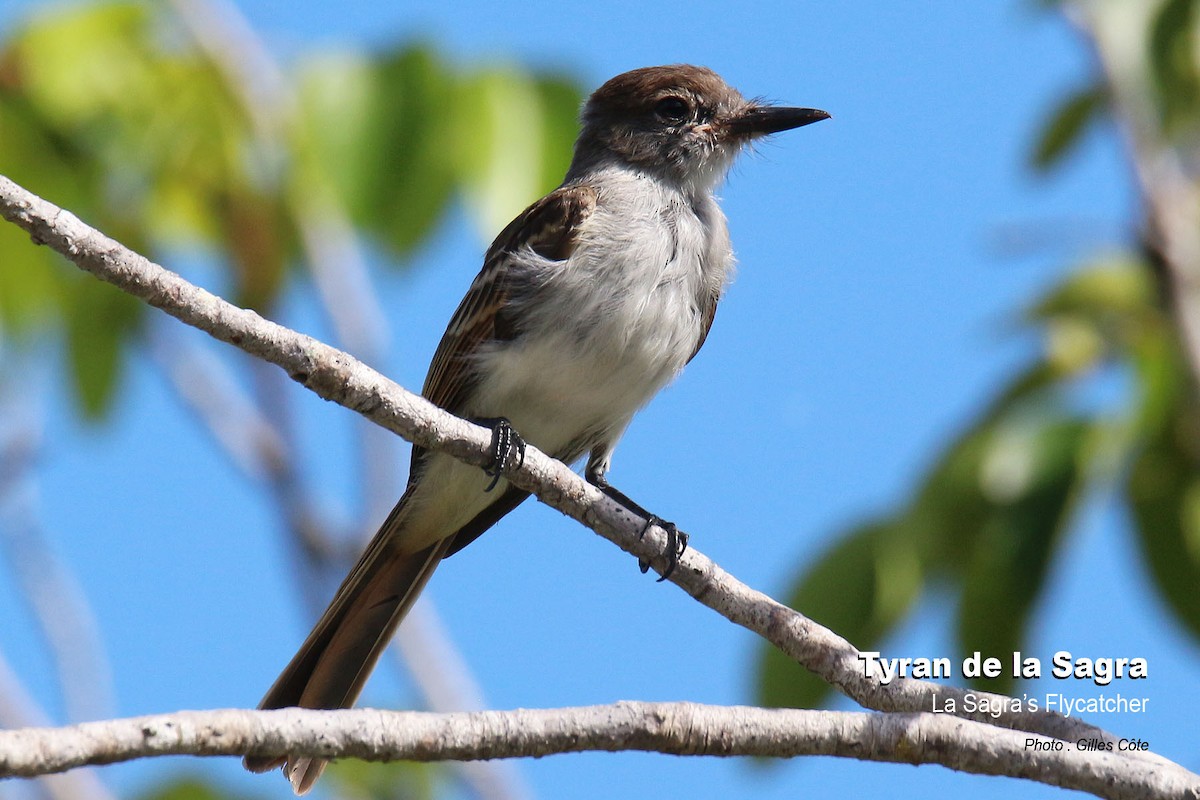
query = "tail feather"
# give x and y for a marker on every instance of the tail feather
(335, 660)
(337, 657)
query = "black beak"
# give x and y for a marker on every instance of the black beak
(762, 120)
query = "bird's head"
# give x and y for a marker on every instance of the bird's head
(680, 122)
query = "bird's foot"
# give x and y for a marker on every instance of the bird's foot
(677, 542)
(506, 443)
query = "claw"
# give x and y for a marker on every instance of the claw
(505, 441)
(677, 543)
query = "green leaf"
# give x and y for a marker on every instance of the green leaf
(949, 510)
(1064, 128)
(1160, 372)
(1110, 289)
(394, 138)
(1031, 475)
(561, 100)
(1164, 494)
(1173, 62)
(955, 501)
(99, 321)
(79, 61)
(30, 286)
(338, 133)
(860, 588)
(414, 181)
(500, 128)
(157, 134)
(380, 134)
(40, 157)
(1097, 315)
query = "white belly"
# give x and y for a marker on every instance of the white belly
(599, 335)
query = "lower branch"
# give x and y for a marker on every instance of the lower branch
(17, 708)
(673, 728)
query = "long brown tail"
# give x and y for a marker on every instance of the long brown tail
(333, 663)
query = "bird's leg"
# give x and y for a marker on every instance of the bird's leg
(677, 540)
(505, 442)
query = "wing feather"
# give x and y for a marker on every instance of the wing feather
(550, 229)
(708, 313)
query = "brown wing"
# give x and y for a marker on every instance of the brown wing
(549, 228)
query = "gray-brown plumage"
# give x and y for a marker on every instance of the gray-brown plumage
(588, 303)
(335, 660)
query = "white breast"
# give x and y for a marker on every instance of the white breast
(607, 329)
(600, 334)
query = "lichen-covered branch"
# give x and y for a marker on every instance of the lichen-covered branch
(674, 728)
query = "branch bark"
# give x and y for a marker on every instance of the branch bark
(336, 376)
(674, 728)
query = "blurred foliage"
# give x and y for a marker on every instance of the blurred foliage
(191, 787)
(1172, 57)
(987, 521)
(990, 515)
(117, 111)
(1066, 126)
(351, 779)
(347, 780)
(114, 111)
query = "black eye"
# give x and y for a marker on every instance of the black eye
(672, 109)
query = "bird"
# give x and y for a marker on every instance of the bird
(588, 303)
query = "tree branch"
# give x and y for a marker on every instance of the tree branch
(59, 606)
(248, 438)
(1164, 171)
(336, 376)
(18, 709)
(674, 728)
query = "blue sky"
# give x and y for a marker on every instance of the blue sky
(865, 326)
